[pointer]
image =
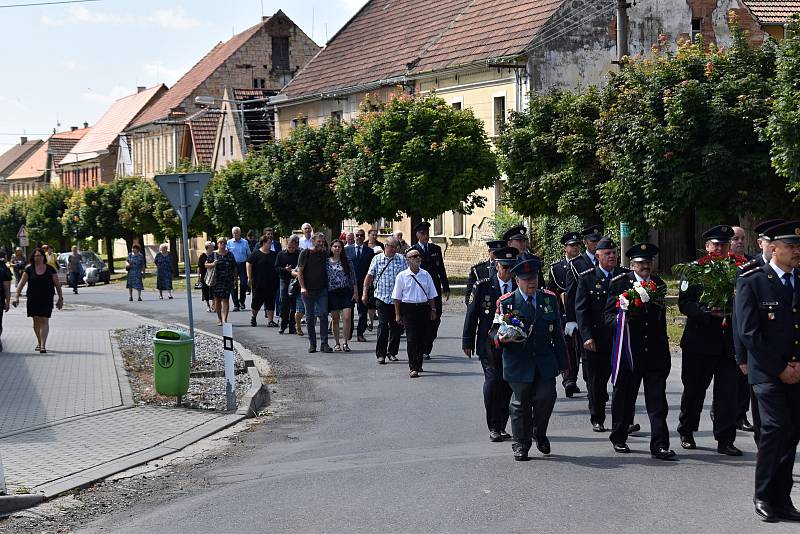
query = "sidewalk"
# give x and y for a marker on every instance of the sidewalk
(67, 417)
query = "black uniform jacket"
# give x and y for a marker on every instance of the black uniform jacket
(479, 318)
(590, 306)
(738, 344)
(433, 262)
(768, 323)
(704, 333)
(479, 271)
(648, 328)
(577, 265)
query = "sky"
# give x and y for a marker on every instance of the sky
(62, 65)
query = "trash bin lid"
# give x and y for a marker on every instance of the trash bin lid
(172, 335)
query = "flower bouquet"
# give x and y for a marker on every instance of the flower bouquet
(634, 299)
(512, 326)
(716, 276)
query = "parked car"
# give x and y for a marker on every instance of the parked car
(89, 259)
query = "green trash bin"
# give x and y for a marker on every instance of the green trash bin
(172, 361)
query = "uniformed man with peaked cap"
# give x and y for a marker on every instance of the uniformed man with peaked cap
(433, 262)
(476, 339)
(767, 307)
(707, 353)
(649, 346)
(481, 270)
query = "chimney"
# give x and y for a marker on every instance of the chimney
(140, 88)
(73, 128)
(23, 140)
(85, 124)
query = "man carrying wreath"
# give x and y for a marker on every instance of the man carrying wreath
(528, 328)
(640, 354)
(707, 350)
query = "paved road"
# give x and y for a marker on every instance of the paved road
(367, 449)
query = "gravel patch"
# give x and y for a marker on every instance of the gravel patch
(206, 392)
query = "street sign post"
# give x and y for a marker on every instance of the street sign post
(184, 192)
(22, 235)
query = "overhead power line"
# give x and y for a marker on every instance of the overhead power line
(34, 4)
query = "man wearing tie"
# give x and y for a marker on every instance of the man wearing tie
(530, 366)
(433, 263)
(767, 308)
(361, 256)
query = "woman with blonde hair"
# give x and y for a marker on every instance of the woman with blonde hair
(163, 271)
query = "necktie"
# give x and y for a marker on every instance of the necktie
(505, 288)
(787, 284)
(358, 252)
(425, 248)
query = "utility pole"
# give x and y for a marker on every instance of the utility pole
(622, 51)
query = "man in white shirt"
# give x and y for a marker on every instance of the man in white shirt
(414, 308)
(306, 242)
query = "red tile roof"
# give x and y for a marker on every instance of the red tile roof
(60, 144)
(33, 167)
(203, 129)
(773, 11)
(392, 38)
(14, 156)
(184, 87)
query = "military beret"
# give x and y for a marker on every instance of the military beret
(570, 238)
(593, 233)
(788, 232)
(642, 251)
(527, 268)
(718, 234)
(606, 243)
(518, 232)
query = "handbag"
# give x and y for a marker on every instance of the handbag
(294, 288)
(211, 277)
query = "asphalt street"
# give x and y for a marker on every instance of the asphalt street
(367, 449)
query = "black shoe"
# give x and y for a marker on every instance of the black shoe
(663, 454)
(765, 511)
(744, 425)
(361, 339)
(282, 331)
(325, 348)
(272, 324)
(598, 427)
(520, 454)
(292, 331)
(392, 357)
(369, 326)
(728, 449)
(312, 349)
(570, 390)
(687, 442)
(426, 356)
(253, 321)
(622, 448)
(495, 437)
(634, 428)
(382, 361)
(787, 513)
(543, 445)
(505, 435)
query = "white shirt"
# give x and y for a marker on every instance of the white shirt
(407, 290)
(508, 285)
(591, 257)
(639, 278)
(780, 272)
(306, 243)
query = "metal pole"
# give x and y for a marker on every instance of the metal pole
(230, 376)
(622, 51)
(187, 264)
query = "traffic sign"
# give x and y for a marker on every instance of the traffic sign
(22, 233)
(195, 183)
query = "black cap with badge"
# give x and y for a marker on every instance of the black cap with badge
(424, 226)
(642, 252)
(571, 238)
(606, 243)
(763, 226)
(506, 255)
(593, 233)
(527, 268)
(718, 234)
(518, 232)
(495, 244)
(788, 232)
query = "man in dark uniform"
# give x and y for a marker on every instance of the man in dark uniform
(707, 352)
(649, 345)
(481, 270)
(433, 262)
(517, 237)
(590, 306)
(767, 308)
(530, 366)
(560, 273)
(746, 396)
(476, 339)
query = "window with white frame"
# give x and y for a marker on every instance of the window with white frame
(458, 224)
(499, 113)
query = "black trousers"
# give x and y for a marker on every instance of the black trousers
(496, 397)
(697, 371)
(756, 414)
(434, 330)
(623, 405)
(241, 278)
(779, 407)
(575, 354)
(742, 395)
(362, 314)
(597, 367)
(388, 331)
(417, 321)
(288, 305)
(530, 410)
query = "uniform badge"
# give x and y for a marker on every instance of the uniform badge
(598, 286)
(684, 285)
(771, 316)
(551, 327)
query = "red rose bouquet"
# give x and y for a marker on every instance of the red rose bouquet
(640, 295)
(715, 275)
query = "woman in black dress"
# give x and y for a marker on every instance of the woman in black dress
(201, 272)
(225, 265)
(42, 282)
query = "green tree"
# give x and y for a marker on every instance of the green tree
(13, 212)
(548, 153)
(231, 198)
(45, 210)
(138, 208)
(417, 156)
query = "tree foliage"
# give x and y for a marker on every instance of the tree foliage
(417, 156)
(43, 219)
(13, 212)
(231, 198)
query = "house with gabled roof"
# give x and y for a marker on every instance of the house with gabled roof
(246, 123)
(41, 170)
(12, 158)
(486, 55)
(265, 56)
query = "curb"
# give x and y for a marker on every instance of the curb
(14, 503)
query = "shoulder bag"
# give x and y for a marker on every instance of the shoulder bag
(211, 274)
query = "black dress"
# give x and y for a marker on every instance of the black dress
(226, 270)
(40, 291)
(201, 264)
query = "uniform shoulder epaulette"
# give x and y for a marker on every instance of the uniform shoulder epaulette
(587, 271)
(506, 296)
(749, 265)
(548, 292)
(483, 281)
(557, 262)
(621, 275)
(570, 260)
(625, 270)
(758, 269)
